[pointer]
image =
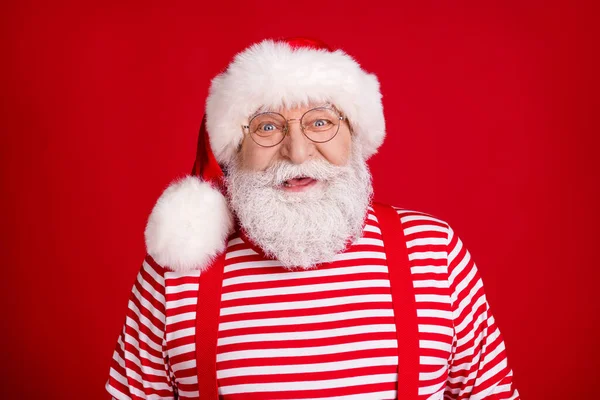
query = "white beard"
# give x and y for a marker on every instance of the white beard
(305, 228)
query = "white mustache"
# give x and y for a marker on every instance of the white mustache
(282, 171)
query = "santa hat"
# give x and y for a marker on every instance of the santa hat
(191, 220)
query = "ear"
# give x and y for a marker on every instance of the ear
(188, 226)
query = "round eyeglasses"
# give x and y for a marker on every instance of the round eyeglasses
(319, 124)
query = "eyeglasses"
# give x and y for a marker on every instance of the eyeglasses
(319, 124)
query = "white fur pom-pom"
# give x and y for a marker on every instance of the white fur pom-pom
(188, 226)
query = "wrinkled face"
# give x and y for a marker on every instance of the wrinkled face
(301, 201)
(296, 147)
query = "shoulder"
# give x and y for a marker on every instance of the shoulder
(165, 276)
(427, 237)
(176, 291)
(433, 246)
(417, 223)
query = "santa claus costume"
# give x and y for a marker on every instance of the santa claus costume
(400, 313)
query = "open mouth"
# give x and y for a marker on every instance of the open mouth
(298, 184)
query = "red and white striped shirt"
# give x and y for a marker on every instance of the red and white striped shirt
(326, 333)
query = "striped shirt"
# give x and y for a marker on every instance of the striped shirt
(325, 333)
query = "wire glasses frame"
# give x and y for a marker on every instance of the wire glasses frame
(273, 126)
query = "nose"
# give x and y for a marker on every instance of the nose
(296, 146)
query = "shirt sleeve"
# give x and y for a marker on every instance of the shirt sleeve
(478, 366)
(140, 367)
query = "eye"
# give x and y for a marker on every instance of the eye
(321, 123)
(268, 127)
(267, 124)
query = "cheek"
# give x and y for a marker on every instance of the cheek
(337, 151)
(256, 158)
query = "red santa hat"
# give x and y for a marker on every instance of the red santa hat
(191, 220)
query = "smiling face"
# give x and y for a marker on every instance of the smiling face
(302, 202)
(296, 147)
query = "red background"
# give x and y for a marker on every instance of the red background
(490, 126)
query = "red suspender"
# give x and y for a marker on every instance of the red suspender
(403, 298)
(207, 327)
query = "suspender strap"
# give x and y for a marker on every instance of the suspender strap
(403, 298)
(207, 328)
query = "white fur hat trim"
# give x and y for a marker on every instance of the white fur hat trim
(274, 74)
(188, 226)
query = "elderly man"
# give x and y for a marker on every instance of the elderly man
(270, 272)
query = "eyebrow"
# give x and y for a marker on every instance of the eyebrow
(263, 109)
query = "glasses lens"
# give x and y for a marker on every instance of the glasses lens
(321, 124)
(267, 129)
